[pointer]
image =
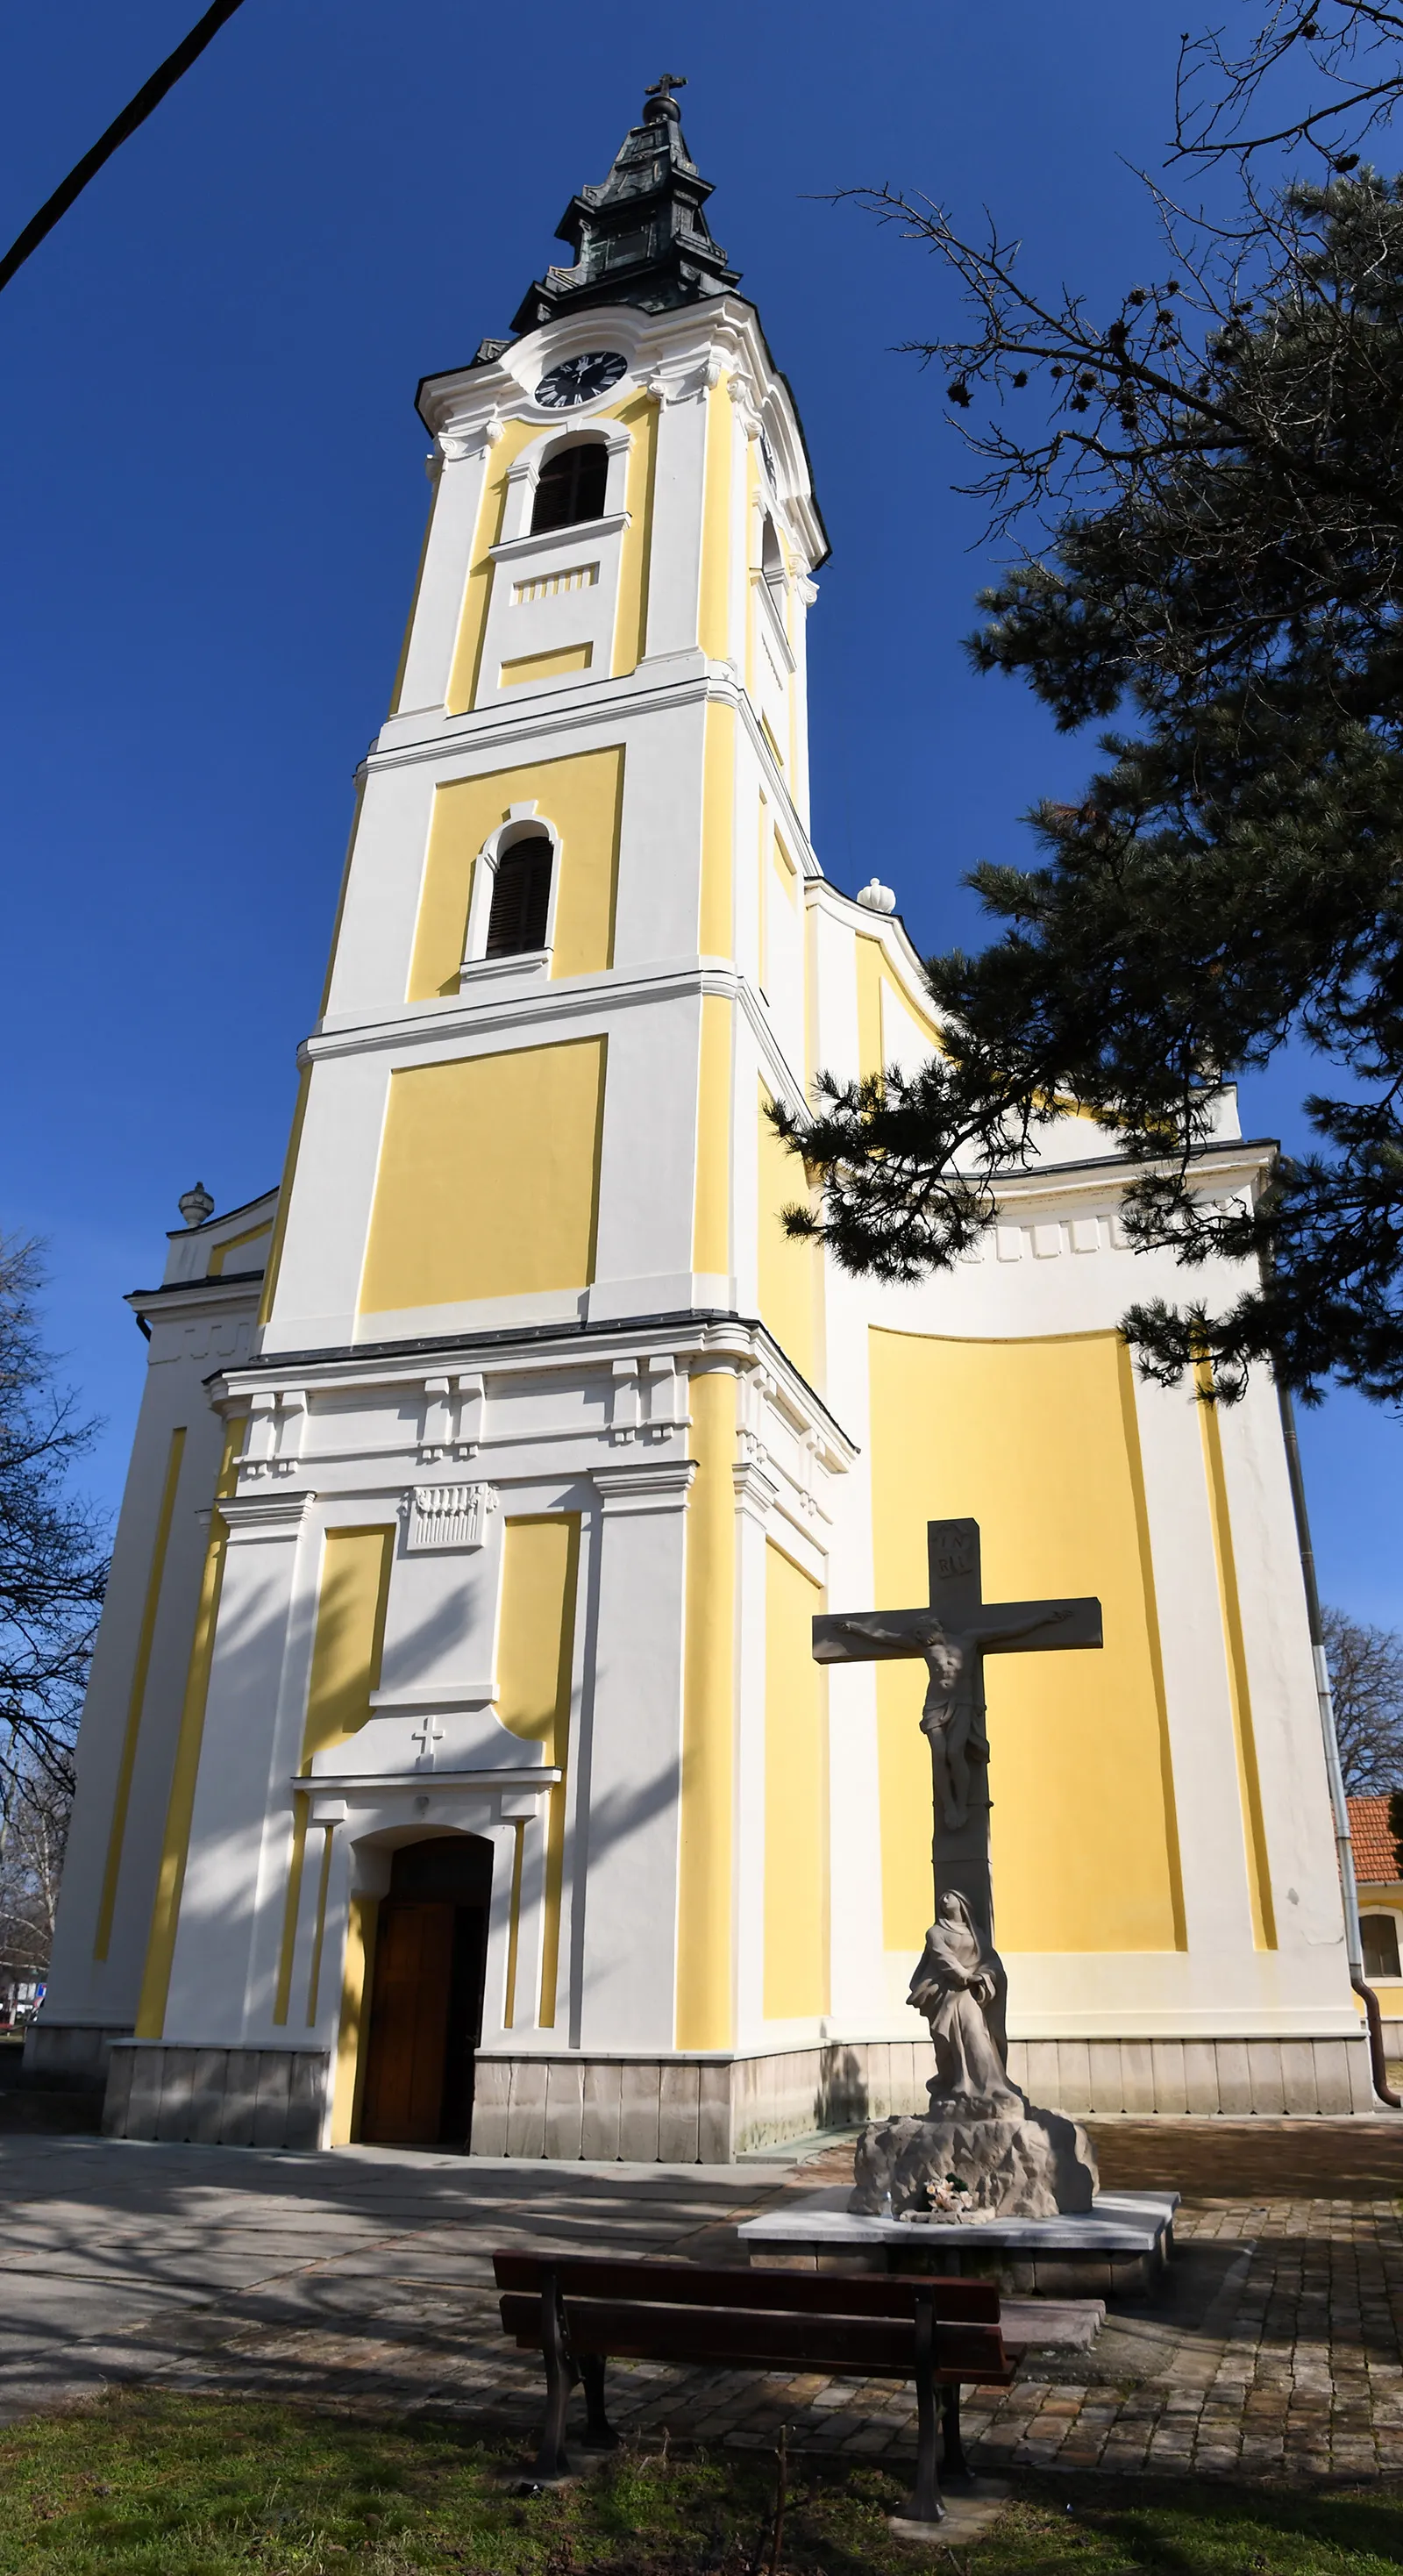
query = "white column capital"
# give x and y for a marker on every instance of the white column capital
(756, 1490)
(260, 1516)
(652, 1485)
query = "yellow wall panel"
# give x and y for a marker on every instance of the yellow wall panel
(583, 797)
(1032, 1439)
(714, 610)
(357, 1979)
(535, 1654)
(488, 1183)
(136, 1701)
(239, 1243)
(180, 1806)
(716, 926)
(867, 960)
(631, 621)
(350, 1635)
(1239, 1687)
(557, 664)
(711, 1216)
(796, 1797)
(789, 1274)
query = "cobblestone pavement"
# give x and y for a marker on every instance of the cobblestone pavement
(1277, 2351)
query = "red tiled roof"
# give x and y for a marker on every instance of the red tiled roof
(1375, 1862)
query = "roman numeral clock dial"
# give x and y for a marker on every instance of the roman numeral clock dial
(580, 380)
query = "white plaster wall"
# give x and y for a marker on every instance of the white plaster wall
(190, 1335)
(1285, 1713)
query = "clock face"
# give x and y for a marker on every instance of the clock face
(580, 380)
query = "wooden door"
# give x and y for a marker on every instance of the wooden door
(403, 2103)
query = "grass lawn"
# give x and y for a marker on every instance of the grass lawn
(198, 2487)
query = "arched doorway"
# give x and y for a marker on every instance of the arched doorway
(426, 1994)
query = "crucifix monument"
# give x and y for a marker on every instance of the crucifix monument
(1018, 2157)
(952, 1636)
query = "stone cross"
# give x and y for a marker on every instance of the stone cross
(951, 1637)
(427, 1733)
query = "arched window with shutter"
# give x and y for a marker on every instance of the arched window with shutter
(571, 485)
(520, 897)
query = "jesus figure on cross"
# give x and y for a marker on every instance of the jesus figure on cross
(951, 1635)
(952, 1719)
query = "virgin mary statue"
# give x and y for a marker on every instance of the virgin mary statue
(956, 1981)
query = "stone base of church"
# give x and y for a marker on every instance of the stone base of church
(217, 2097)
(712, 2109)
(70, 2057)
(1233, 2078)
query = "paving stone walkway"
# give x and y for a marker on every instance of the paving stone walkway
(362, 2282)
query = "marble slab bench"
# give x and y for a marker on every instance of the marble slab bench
(1120, 2248)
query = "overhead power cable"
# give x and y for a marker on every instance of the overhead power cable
(134, 114)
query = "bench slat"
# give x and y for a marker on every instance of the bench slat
(832, 2294)
(861, 2347)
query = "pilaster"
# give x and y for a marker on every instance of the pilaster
(626, 1848)
(459, 470)
(248, 1713)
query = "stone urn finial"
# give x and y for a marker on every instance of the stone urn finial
(197, 1207)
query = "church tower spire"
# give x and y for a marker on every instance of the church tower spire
(641, 238)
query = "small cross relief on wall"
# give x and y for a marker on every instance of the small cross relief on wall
(445, 1516)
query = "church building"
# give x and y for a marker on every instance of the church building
(456, 1769)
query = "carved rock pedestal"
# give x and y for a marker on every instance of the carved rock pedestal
(1017, 2162)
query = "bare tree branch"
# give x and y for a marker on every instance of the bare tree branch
(1223, 101)
(1366, 1682)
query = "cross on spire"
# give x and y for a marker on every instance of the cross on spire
(665, 84)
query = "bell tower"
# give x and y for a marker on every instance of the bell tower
(490, 1554)
(516, 1117)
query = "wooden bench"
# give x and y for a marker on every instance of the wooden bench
(579, 2311)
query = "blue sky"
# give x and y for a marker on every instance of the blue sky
(214, 494)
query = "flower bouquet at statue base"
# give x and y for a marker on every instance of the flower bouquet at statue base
(1011, 2159)
(945, 2203)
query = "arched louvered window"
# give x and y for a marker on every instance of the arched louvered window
(571, 485)
(520, 898)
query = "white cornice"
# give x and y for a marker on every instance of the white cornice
(729, 1341)
(402, 741)
(543, 541)
(887, 928)
(1230, 1164)
(239, 1294)
(644, 1485)
(418, 1024)
(264, 1515)
(390, 1784)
